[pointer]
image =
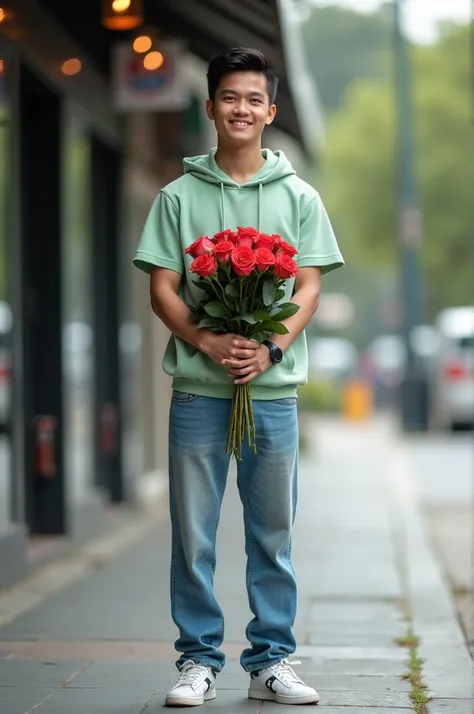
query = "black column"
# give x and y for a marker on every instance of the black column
(40, 144)
(105, 210)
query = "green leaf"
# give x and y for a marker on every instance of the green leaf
(205, 286)
(280, 294)
(269, 293)
(232, 290)
(210, 323)
(277, 327)
(259, 336)
(215, 309)
(261, 316)
(248, 318)
(289, 310)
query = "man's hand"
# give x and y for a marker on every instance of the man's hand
(244, 370)
(226, 348)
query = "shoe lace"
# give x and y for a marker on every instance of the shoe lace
(284, 671)
(192, 674)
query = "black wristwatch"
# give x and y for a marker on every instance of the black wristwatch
(276, 355)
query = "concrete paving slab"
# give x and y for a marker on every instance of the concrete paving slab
(22, 704)
(451, 706)
(14, 673)
(100, 699)
(365, 698)
(272, 708)
(353, 683)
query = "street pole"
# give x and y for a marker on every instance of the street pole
(413, 407)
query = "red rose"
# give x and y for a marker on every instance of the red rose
(223, 250)
(204, 265)
(243, 260)
(246, 236)
(286, 248)
(264, 258)
(201, 246)
(285, 267)
(266, 241)
(226, 235)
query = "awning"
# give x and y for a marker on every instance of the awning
(212, 26)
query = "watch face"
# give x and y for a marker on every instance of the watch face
(277, 355)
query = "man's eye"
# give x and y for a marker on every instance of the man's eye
(226, 99)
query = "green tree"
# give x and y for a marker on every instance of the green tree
(342, 45)
(360, 169)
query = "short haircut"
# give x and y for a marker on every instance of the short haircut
(241, 59)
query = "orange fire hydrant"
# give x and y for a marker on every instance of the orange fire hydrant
(357, 400)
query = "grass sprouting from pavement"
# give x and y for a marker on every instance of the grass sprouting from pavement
(419, 691)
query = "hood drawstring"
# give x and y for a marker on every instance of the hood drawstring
(223, 225)
(260, 199)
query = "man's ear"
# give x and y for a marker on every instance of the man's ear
(210, 109)
(271, 115)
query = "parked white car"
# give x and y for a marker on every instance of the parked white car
(452, 378)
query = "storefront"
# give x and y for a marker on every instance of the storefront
(83, 402)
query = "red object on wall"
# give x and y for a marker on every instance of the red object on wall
(45, 462)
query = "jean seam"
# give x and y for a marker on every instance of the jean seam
(213, 555)
(250, 545)
(206, 661)
(265, 664)
(186, 400)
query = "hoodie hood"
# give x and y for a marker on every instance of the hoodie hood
(204, 168)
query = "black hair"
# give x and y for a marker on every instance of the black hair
(241, 59)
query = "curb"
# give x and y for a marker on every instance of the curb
(448, 667)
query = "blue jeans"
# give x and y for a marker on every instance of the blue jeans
(267, 483)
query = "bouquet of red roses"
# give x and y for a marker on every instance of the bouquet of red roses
(241, 274)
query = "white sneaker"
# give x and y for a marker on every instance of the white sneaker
(196, 684)
(280, 684)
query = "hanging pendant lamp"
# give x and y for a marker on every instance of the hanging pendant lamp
(122, 14)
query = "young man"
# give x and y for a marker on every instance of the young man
(237, 184)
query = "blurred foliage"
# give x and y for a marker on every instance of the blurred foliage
(320, 395)
(360, 169)
(342, 45)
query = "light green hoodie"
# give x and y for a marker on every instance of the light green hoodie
(205, 201)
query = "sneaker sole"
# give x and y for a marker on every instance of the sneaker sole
(269, 697)
(184, 702)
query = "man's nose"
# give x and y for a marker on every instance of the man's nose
(241, 107)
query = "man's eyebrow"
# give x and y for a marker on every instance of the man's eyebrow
(255, 93)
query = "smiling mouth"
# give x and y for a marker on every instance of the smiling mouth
(240, 123)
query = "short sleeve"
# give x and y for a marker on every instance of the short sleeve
(318, 245)
(160, 243)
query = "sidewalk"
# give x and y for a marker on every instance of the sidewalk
(103, 642)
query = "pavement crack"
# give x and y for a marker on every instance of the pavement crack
(82, 669)
(40, 704)
(147, 703)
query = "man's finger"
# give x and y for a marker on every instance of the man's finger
(242, 353)
(245, 344)
(242, 369)
(246, 379)
(233, 363)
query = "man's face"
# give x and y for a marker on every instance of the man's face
(241, 108)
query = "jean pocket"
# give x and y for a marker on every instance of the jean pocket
(286, 402)
(181, 397)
